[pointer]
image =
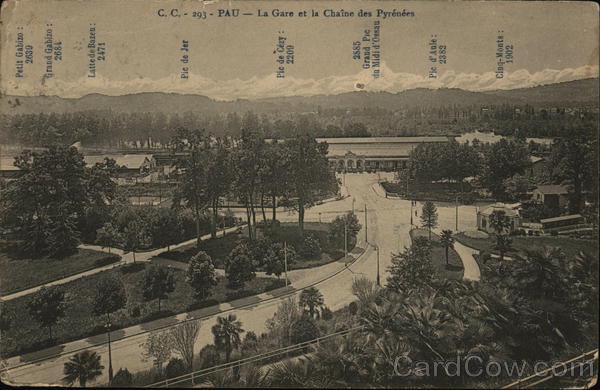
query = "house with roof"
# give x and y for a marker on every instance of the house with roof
(510, 210)
(8, 169)
(553, 196)
(358, 154)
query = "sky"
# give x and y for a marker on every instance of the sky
(235, 57)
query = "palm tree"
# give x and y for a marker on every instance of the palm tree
(312, 300)
(226, 333)
(447, 241)
(83, 367)
(540, 272)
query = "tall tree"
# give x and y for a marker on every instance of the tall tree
(183, 337)
(344, 227)
(201, 275)
(576, 163)
(309, 173)
(240, 265)
(447, 241)
(158, 346)
(503, 159)
(157, 284)
(429, 216)
(82, 367)
(274, 174)
(247, 161)
(135, 236)
(47, 306)
(110, 297)
(227, 333)
(191, 147)
(108, 236)
(219, 177)
(411, 269)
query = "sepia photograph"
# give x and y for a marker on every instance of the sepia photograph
(299, 194)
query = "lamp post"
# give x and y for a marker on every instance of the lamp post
(345, 239)
(110, 369)
(285, 262)
(353, 200)
(366, 225)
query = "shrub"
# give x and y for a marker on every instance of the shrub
(310, 248)
(176, 367)
(484, 256)
(353, 307)
(209, 356)
(123, 378)
(304, 329)
(326, 314)
(135, 311)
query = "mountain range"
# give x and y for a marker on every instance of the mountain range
(583, 92)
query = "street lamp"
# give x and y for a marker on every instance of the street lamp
(110, 369)
(353, 200)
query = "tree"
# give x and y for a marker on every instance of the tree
(304, 329)
(192, 145)
(311, 300)
(503, 245)
(183, 338)
(239, 266)
(542, 273)
(108, 236)
(158, 282)
(158, 346)
(447, 241)
(135, 237)
(281, 323)
(168, 228)
(499, 221)
(83, 367)
(52, 193)
(175, 368)
(122, 378)
(576, 162)
(47, 306)
(344, 227)
(411, 269)
(276, 257)
(219, 177)
(227, 333)
(429, 216)
(516, 187)
(201, 275)
(247, 159)
(309, 173)
(273, 174)
(503, 159)
(110, 297)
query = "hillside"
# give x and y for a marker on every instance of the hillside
(567, 93)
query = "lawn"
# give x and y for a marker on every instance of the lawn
(454, 269)
(570, 246)
(18, 274)
(219, 248)
(25, 335)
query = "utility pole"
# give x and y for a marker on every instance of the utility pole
(345, 238)
(411, 209)
(285, 262)
(378, 278)
(366, 226)
(353, 200)
(110, 369)
(456, 213)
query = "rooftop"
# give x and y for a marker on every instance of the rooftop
(377, 140)
(552, 189)
(561, 218)
(510, 210)
(131, 161)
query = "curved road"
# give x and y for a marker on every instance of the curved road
(388, 226)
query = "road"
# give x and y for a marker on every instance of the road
(388, 227)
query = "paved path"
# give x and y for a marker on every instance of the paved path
(470, 265)
(126, 258)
